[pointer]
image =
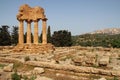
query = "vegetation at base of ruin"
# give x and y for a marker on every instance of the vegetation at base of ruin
(2, 65)
(114, 78)
(61, 38)
(95, 66)
(33, 77)
(96, 40)
(110, 60)
(15, 76)
(25, 77)
(27, 58)
(18, 66)
(93, 76)
(35, 59)
(118, 58)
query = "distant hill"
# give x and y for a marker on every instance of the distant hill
(105, 38)
(110, 31)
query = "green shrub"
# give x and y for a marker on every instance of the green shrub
(96, 40)
(27, 58)
(15, 76)
(35, 59)
(25, 77)
(2, 65)
(115, 78)
(33, 77)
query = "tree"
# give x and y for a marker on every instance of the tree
(115, 43)
(31, 37)
(62, 38)
(95, 40)
(25, 37)
(14, 35)
(48, 35)
(40, 38)
(5, 38)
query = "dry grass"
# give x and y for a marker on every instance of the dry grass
(22, 67)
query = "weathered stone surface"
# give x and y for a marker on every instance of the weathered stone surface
(79, 60)
(49, 62)
(6, 75)
(90, 59)
(43, 78)
(74, 68)
(100, 79)
(104, 61)
(38, 70)
(67, 62)
(9, 60)
(31, 14)
(8, 68)
(34, 48)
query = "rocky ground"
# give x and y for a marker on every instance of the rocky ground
(65, 63)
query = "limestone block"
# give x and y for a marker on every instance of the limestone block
(79, 60)
(90, 61)
(43, 78)
(104, 61)
(8, 68)
(67, 62)
(100, 79)
(38, 70)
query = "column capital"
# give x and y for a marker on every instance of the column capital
(45, 19)
(20, 20)
(35, 20)
(28, 21)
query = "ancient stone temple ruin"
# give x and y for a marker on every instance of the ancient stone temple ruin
(29, 15)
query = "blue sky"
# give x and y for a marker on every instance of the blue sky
(77, 16)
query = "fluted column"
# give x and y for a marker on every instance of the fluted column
(44, 32)
(28, 32)
(21, 32)
(36, 32)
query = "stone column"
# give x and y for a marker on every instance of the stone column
(28, 32)
(44, 32)
(21, 32)
(36, 32)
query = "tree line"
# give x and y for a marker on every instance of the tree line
(58, 38)
(97, 40)
(61, 38)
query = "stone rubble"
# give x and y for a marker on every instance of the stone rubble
(8, 68)
(70, 59)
